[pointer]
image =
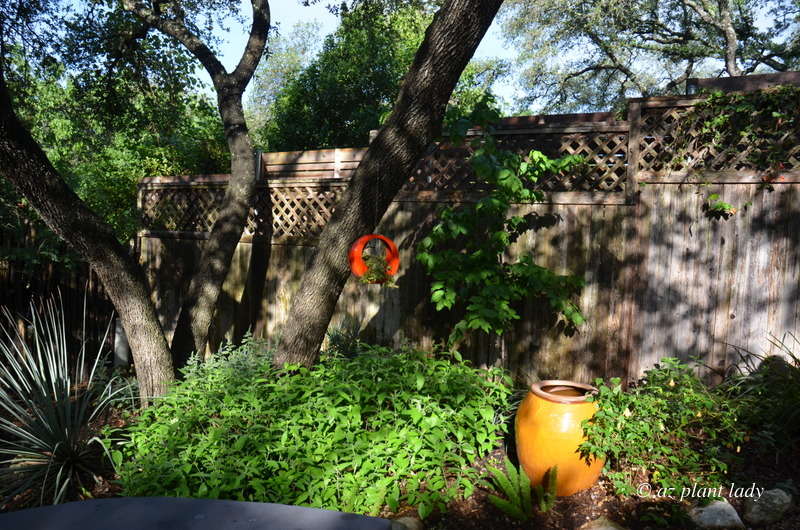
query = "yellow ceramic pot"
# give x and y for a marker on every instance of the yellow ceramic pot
(549, 432)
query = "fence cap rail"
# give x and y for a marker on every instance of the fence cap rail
(184, 179)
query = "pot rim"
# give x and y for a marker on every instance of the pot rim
(538, 390)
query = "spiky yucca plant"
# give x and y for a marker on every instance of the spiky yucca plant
(47, 407)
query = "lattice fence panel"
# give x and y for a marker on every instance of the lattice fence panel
(300, 212)
(674, 138)
(446, 168)
(604, 157)
(186, 209)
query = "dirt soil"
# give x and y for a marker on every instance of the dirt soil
(634, 513)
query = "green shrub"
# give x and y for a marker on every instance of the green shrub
(351, 434)
(48, 445)
(670, 430)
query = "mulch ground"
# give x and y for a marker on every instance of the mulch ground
(634, 513)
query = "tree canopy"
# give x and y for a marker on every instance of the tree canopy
(586, 56)
(343, 94)
(310, 98)
(33, 35)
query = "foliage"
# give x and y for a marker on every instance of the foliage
(48, 444)
(103, 159)
(466, 251)
(762, 124)
(378, 271)
(669, 429)
(337, 98)
(590, 56)
(344, 339)
(354, 434)
(770, 384)
(516, 486)
(288, 54)
(715, 208)
(343, 94)
(545, 493)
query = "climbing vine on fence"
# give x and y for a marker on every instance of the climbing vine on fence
(758, 129)
(466, 252)
(755, 130)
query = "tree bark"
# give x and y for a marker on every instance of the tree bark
(450, 41)
(197, 309)
(27, 167)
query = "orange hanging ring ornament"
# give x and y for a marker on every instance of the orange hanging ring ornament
(360, 267)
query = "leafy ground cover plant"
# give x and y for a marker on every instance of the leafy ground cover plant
(356, 434)
(48, 445)
(669, 430)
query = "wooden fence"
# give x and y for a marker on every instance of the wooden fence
(664, 277)
(88, 313)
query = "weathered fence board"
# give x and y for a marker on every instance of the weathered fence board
(664, 277)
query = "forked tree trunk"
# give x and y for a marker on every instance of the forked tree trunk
(25, 164)
(197, 309)
(450, 41)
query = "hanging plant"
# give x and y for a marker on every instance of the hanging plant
(374, 269)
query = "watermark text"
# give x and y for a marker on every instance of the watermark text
(698, 491)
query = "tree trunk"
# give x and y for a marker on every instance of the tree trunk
(197, 310)
(450, 41)
(27, 167)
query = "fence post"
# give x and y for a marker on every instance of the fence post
(634, 141)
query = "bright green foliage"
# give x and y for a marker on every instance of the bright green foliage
(112, 103)
(467, 251)
(352, 434)
(348, 90)
(103, 159)
(343, 94)
(670, 426)
(716, 208)
(47, 443)
(516, 486)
